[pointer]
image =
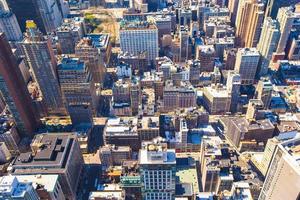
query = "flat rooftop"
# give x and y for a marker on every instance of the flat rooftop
(52, 153)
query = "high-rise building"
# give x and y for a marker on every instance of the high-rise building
(249, 20)
(135, 96)
(157, 168)
(10, 26)
(264, 91)
(283, 172)
(286, 17)
(40, 57)
(4, 153)
(206, 55)
(246, 64)
(233, 8)
(233, 86)
(184, 45)
(69, 33)
(55, 153)
(14, 91)
(268, 43)
(274, 5)
(136, 37)
(86, 50)
(45, 13)
(78, 90)
(51, 16)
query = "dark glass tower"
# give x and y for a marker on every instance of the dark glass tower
(14, 91)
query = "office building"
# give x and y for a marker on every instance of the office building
(45, 13)
(217, 174)
(136, 37)
(135, 96)
(264, 91)
(9, 134)
(184, 45)
(246, 64)
(121, 91)
(12, 188)
(217, 99)
(46, 186)
(148, 128)
(27, 10)
(268, 43)
(86, 51)
(122, 132)
(282, 171)
(233, 8)
(240, 130)
(14, 91)
(10, 26)
(181, 96)
(233, 86)
(249, 21)
(69, 34)
(78, 90)
(206, 55)
(54, 153)
(102, 41)
(229, 58)
(111, 155)
(4, 153)
(40, 57)
(286, 17)
(255, 110)
(274, 5)
(157, 169)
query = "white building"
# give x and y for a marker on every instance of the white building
(46, 185)
(136, 37)
(158, 168)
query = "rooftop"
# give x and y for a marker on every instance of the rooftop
(49, 152)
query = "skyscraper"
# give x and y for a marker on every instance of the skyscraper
(10, 26)
(137, 37)
(286, 17)
(14, 91)
(249, 20)
(26, 10)
(274, 5)
(268, 43)
(283, 174)
(88, 52)
(45, 13)
(246, 64)
(233, 7)
(264, 91)
(78, 90)
(157, 168)
(40, 57)
(233, 86)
